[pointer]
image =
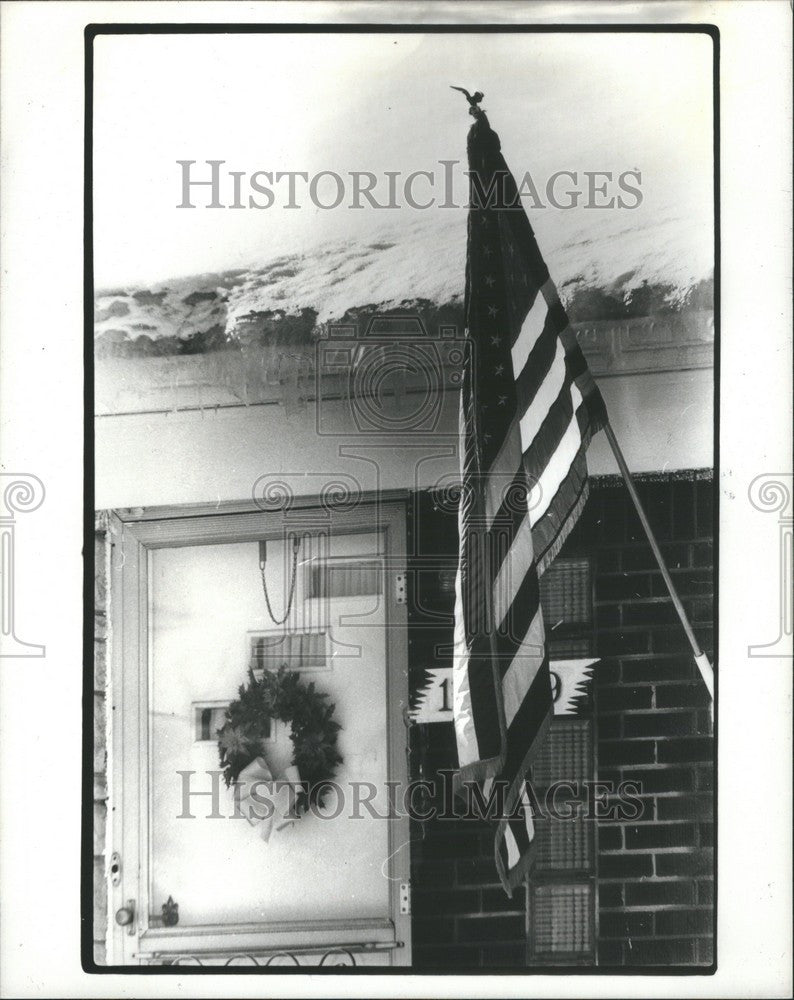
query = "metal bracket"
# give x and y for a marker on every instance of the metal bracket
(400, 589)
(405, 898)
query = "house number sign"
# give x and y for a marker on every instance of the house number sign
(569, 680)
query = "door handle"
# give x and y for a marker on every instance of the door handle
(125, 916)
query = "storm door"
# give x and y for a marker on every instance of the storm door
(206, 874)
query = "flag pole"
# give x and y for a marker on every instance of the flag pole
(700, 657)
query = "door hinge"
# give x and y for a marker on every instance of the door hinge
(400, 590)
(405, 898)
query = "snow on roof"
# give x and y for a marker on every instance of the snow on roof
(423, 261)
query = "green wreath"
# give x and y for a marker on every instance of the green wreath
(283, 696)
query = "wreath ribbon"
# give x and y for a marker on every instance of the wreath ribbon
(258, 788)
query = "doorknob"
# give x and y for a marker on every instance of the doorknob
(125, 916)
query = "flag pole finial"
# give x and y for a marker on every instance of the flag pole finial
(473, 99)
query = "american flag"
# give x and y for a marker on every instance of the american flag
(529, 407)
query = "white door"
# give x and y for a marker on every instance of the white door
(193, 619)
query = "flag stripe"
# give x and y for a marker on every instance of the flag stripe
(532, 328)
(552, 477)
(530, 378)
(553, 385)
(519, 675)
(515, 626)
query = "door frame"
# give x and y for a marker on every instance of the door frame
(136, 532)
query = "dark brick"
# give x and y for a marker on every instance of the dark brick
(704, 779)
(706, 831)
(610, 727)
(659, 893)
(683, 497)
(688, 583)
(616, 808)
(457, 958)
(698, 862)
(616, 699)
(676, 556)
(647, 806)
(705, 722)
(701, 611)
(609, 774)
(692, 750)
(477, 871)
(491, 929)
(705, 639)
(622, 587)
(660, 724)
(486, 839)
(679, 922)
(625, 866)
(657, 502)
(610, 895)
(702, 554)
(621, 643)
(682, 696)
(607, 616)
(705, 892)
(705, 951)
(660, 835)
(448, 839)
(658, 670)
(670, 640)
(610, 953)
(659, 951)
(657, 612)
(656, 780)
(704, 509)
(439, 872)
(686, 807)
(497, 901)
(626, 752)
(506, 956)
(625, 925)
(607, 561)
(615, 511)
(610, 838)
(433, 930)
(455, 901)
(607, 672)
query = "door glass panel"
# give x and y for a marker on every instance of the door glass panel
(206, 609)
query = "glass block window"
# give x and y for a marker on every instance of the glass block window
(564, 845)
(561, 890)
(566, 754)
(296, 650)
(561, 919)
(345, 579)
(569, 648)
(566, 593)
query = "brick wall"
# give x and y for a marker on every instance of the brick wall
(654, 725)
(461, 916)
(655, 873)
(101, 570)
